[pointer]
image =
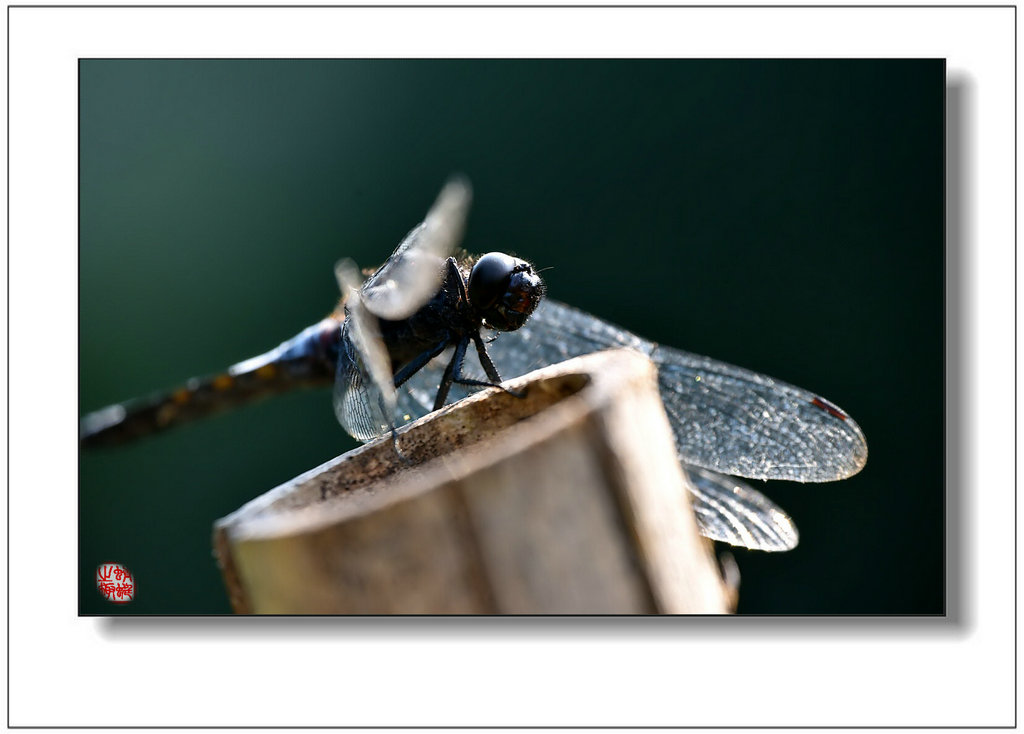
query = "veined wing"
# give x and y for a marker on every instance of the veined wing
(735, 421)
(724, 418)
(415, 270)
(364, 392)
(731, 511)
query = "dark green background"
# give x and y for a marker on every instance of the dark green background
(786, 216)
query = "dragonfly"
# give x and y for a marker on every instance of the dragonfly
(398, 346)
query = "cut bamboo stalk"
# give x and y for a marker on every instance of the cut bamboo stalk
(568, 501)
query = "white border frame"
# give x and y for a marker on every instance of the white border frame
(82, 671)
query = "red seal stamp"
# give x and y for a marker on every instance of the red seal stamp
(115, 582)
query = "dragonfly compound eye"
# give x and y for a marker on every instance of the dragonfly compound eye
(504, 290)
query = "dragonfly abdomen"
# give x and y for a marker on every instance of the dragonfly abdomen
(307, 360)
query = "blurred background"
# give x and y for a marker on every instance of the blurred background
(786, 216)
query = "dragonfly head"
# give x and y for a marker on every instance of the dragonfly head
(504, 290)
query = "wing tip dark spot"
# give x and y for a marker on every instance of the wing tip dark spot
(830, 408)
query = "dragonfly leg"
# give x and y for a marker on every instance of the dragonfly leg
(454, 366)
(488, 364)
(419, 362)
(394, 442)
(485, 359)
(394, 429)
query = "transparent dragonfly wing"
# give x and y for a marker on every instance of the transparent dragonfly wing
(731, 511)
(415, 270)
(734, 421)
(724, 418)
(358, 403)
(364, 390)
